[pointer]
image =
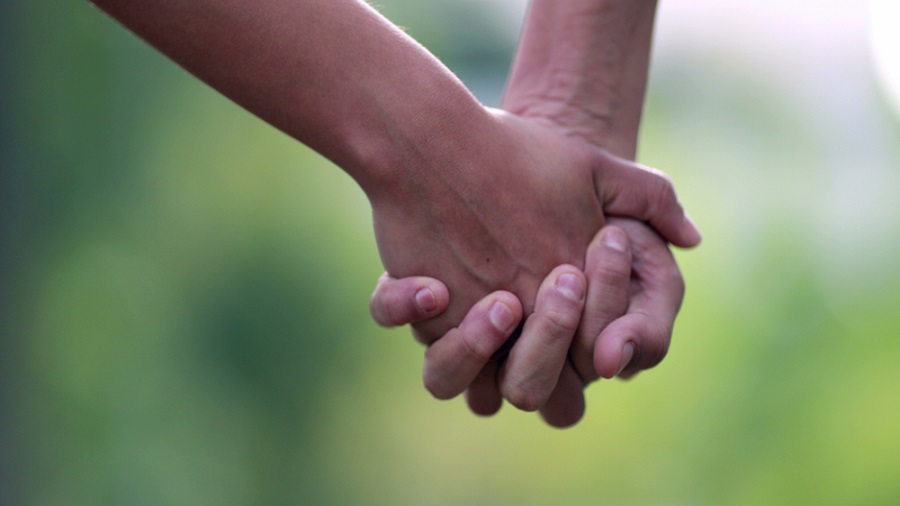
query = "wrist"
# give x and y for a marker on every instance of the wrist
(583, 65)
(422, 139)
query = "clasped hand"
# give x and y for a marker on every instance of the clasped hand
(526, 199)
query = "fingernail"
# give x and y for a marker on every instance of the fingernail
(501, 317)
(569, 285)
(615, 239)
(627, 355)
(426, 300)
(691, 231)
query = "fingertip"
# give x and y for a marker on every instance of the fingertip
(610, 246)
(433, 298)
(690, 233)
(484, 407)
(401, 301)
(566, 406)
(504, 310)
(571, 285)
(501, 317)
(564, 420)
(483, 395)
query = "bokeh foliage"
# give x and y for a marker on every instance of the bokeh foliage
(185, 303)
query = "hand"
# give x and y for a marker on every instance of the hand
(447, 179)
(501, 211)
(582, 67)
(537, 374)
(626, 261)
(616, 339)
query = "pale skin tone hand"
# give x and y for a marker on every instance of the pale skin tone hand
(598, 110)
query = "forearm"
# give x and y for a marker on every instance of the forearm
(584, 63)
(333, 74)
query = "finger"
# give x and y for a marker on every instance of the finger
(534, 363)
(640, 339)
(631, 344)
(565, 406)
(632, 190)
(454, 361)
(608, 271)
(483, 395)
(407, 300)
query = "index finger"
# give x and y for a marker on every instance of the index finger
(532, 369)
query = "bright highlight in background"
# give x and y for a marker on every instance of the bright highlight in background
(885, 41)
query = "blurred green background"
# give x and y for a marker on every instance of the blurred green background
(184, 289)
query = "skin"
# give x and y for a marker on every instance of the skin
(628, 265)
(447, 178)
(484, 239)
(634, 288)
(582, 65)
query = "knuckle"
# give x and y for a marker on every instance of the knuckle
(663, 192)
(611, 272)
(660, 192)
(560, 322)
(661, 177)
(481, 347)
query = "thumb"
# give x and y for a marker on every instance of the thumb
(632, 190)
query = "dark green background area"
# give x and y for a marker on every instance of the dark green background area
(184, 300)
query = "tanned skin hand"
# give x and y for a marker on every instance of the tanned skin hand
(582, 68)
